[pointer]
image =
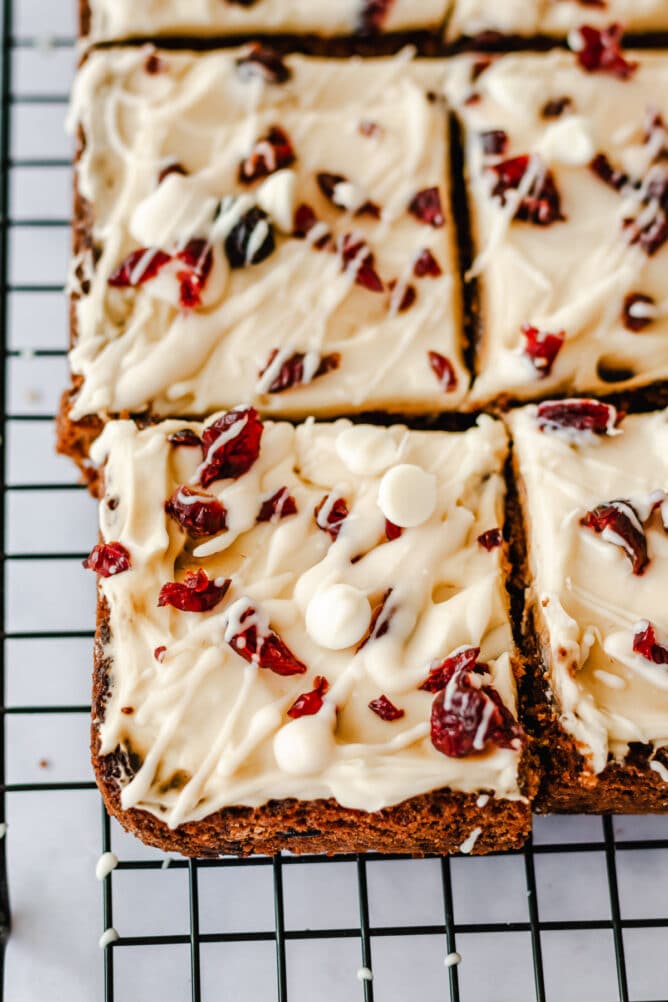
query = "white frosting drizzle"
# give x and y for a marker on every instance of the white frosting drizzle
(573, 275)
(553, 17)
(211, 728)
(114, 19)
(468, 844)
(590, 604)
(138, 348)
(107, 862)
(108, 937)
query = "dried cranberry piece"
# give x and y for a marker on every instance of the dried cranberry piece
(392, 531)
(185, 436)
(479, 66)
(466, 716)
(368, 128)
(305, 220)
(159, 654)
(373, 15)
(261, 61)
(542, 203)
(556, 107)
(635, 316)
(440, 673)
(271, 153)
(426, 206)
(619, 524)
(291, 372)
(579, 415)
(196, 593)
(355, 251)
(258, 644)
(154, 64)
(197, 513)
(173, 168)
(385, 709)
(108, 559)
(140, 266)
(230, 445)
(330, 514)
(278, 505)
(606, 173)
(310, 703)
(408, 296)
(197, 255)
(328, 184)
(490, 539)
(650, 229)
(599, 50)
(380, 620)
(645, 642)
(426, 265)
(542, 348)
(252, 232)
(494, 142)
(444, 371)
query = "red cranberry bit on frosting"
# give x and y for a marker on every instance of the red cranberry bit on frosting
(368, 128)
(649, 228)
(638, 311)
(172, 168)
(385, 709)
(542, 348)
(159, 654)
(196, 593)
(197, 255)
(299, 369)
(440, 672)
(257, 643)
(556, 107)
(154, 64)
(230, 445)
(261, 61)
(184, 437)
(197, 513)
(140, 266)
(276, 506)
(444, 371)
(345, 195)
(310, 703)
(406, 292)
(491, 539)
(494, 142)
(426, 265)
(392, 531)
(426, 206)
(358, 258)
(108, 559)
(578, 415)
(646, 643)
(605, 172)
(373, 15)
(331, 513)
(380, 620)
(618, 523)
(599, 50)
(251, 240)
(271, 153)
(467, 715)
(541, 205)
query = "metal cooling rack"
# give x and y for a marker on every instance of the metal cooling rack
(578, 916)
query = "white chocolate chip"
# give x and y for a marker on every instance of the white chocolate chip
(305, 746)
(338, 617)
(276, 196)
(568, 141)
(366, 449)
(348, 195)
(407, 495)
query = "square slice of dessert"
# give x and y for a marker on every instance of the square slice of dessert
(531, 18)
(109, 20)
(304, 640)
(594, 490)
(262, 229)
(568, 175)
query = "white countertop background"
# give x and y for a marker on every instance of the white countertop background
(54, 837)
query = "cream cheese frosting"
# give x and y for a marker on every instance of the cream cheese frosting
(553, 17)
(117, 19)
(589, 279)
(590, 603)
(209, 727)
(362, 311)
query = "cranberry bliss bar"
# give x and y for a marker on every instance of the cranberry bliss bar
(568, 169)
(261, 229)
(109, 20)
(530, 18)
(304, 640)
(594, 493)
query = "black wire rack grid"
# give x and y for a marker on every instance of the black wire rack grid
(448, 930)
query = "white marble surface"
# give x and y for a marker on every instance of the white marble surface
(54, 837)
